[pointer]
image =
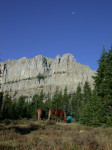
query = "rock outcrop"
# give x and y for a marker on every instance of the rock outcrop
(29, 76)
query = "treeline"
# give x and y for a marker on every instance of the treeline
(89, 107)
(71, 103)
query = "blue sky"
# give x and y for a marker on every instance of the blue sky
(51, 27)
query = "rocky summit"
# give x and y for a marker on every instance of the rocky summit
(29, 76)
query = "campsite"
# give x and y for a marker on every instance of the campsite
(55, 74)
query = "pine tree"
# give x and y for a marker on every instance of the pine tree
(108, 78)
(7, 106)
(35, 105)
(103, 83)
(14, 111)
(1, 102)
(0, 73)
(37, 102)
(100, 75)
(86, 96)
(1, 93)
(77, 104)
(93, 113)
(41, 99)
(65, 101)
(103, 78)
(22, 107)
(47, 105)
(29, 110)
(96, 111)
(70, 108)
(57, 99)
(73, 104)
(86, 93)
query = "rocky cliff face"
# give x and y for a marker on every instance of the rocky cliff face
(29, 76)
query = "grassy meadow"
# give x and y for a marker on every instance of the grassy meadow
(49, 135)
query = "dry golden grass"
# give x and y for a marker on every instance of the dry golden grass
(45, 135)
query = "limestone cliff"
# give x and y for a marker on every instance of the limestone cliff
(29, 76)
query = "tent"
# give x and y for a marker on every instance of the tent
(69, 119)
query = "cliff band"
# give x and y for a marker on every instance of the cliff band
(29, 76)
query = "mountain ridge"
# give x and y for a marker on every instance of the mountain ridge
(29, 76)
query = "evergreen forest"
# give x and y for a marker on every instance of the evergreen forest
(88, 107)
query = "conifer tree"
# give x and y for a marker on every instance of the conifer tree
(22, 107)
(103, 78)
(57, 99)
(29, 110)
(108, 78)
(1, 93)
(14, 111)
(73, 104)
(70, 108)
(66, 103)
(103, 83)
(47, 105)
(0, 73)
(7, 106)
(86, 93)
(41, 99)
(96, 111)
(86, 96)
(1, 102)
(100, 75)
(34, 105)
(77, 103)
(37, 102)
(93, 113)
